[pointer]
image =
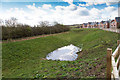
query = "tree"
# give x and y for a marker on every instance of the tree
(55, 23)
(1, 22)
(44, 24)
(11, 22)
(14, 21)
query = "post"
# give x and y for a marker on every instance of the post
(109, 61)
(118, 42)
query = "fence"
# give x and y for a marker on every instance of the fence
(112, 30)
(113, 62)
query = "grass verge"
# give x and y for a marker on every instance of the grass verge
(26, 59)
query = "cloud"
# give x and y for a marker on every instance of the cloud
(109, 9)
(46, 6)
(71, 7)
(109, 12)
(111, 3)
(95, 2)
(71, 14)
(31, 6)
(82, 11)
(119, 11)
(69, 1)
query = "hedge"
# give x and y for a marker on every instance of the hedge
(21, 31)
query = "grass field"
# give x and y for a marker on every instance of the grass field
(26, 59)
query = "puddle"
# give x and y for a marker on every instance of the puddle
(66, 53)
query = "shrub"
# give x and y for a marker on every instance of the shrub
(20, 30)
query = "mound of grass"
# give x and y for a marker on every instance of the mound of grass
(26, 59)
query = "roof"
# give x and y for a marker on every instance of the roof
(117, 19)
(102, 21)
(107, 21)
(98, 22)
(92, 23)
(84, 23)
(89, 22)
(112, 20)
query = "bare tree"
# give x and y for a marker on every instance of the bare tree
(11, 22)
(55, 23)
(1, 22)
(44, 23)
(7, 22)
(14, 21)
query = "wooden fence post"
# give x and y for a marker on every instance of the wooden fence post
(118, 42)
(109, 61)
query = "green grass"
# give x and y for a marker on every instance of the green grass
(26, 59)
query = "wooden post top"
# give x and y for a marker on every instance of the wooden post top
(118, 42)
(109, 49)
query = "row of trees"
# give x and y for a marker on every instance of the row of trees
(13, 30)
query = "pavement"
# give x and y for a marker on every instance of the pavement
(112, 30)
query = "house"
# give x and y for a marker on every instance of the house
(117, 21)
(89, 25)
(99, 25)
(84, 25)
(92, 25)
(107, 24)
(102, 24)
(112, 24)
(81, 26)
(96, 24)
(78, 25)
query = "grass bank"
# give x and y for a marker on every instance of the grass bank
(26, 59)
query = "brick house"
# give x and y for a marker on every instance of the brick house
(96, 24)
(112, 24)
(89, 25)
(102, 24)
(107, 24)
(117, 21)
(93, 24)
(84, 25)
(78, 25)
(81, 26)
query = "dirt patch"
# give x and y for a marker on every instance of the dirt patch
(79, 55)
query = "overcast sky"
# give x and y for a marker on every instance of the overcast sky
(62, 11)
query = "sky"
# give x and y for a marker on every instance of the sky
(65, 12)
